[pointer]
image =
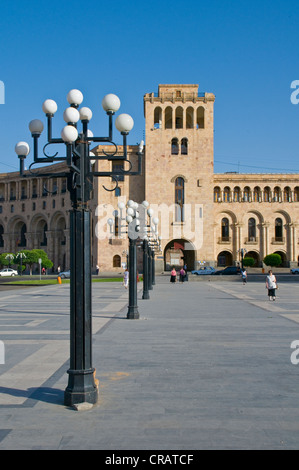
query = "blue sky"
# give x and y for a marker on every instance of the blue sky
(244, 52)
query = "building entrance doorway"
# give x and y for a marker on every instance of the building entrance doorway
(177, 253)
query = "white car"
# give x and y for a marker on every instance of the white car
(8, 272)
(65, 275)
(204, 270)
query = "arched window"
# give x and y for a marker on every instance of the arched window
(267, 194)
(278, 230)
(158, 118)
(277, 194)
(296, 194)
(184, 146)
(287, 194)
(256, 194)
(217, 194)
(168, 118)
(174, 146)
(1, 236)
(251, 229)
(179, 118)
(44, 241)
(24, 190)
(225, 229)
(179, 199)
(190, 118)
(116, 261)
(200, 118)
(2, 192)
(226, 194)
(13, 191)
(237, 194)
(246, 194)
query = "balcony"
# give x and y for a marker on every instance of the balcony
(251, 240)
(278, 240)
(224, 240)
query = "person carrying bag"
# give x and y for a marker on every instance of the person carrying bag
(271, 285)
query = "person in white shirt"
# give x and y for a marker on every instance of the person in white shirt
(271, 285)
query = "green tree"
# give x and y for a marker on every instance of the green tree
(248, 261)
(46, 262)
(7, 259)
(31, 258)
(272, 260)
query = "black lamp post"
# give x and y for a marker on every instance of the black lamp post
(242, 252)
(132, 228)
(145, 294)
(79, 174)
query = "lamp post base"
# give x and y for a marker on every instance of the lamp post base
(81, 388)
(133, 313)
(145, 295)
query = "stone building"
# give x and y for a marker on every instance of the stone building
(205, 217)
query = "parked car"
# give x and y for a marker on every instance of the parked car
(65, 274)
(8, 272)
(229, 270)
(295, 271)
(204, 270)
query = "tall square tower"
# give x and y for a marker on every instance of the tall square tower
(179, 171)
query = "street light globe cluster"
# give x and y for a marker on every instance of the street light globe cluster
(79, 172)
(124, 123)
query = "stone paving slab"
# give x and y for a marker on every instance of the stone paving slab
(207, 366)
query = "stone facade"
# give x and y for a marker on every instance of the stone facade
(204, 217)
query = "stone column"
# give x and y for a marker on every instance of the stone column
(292, 249)
(265, 226)
(7, 242)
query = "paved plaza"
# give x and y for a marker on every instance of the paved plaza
(207, 366)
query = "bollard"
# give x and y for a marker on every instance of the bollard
(59, 280)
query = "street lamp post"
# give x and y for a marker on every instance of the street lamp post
(131, 226)
(145, 294)
(79, 174)
(242, 252)
(21, 255)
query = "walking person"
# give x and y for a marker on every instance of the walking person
(244, 276)
(126, 278)
(182, 275)
(186, 273)
(271, 285)
(173, 276)
(97, 269)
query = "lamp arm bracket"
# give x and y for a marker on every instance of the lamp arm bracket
(46, 155)
(116, 184)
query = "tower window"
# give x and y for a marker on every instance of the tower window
(225, 229)
(184, 146)
(179, 118)
(179, 199)
(168, 118)
(116, 261)
(174, 146)
(200, 118)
